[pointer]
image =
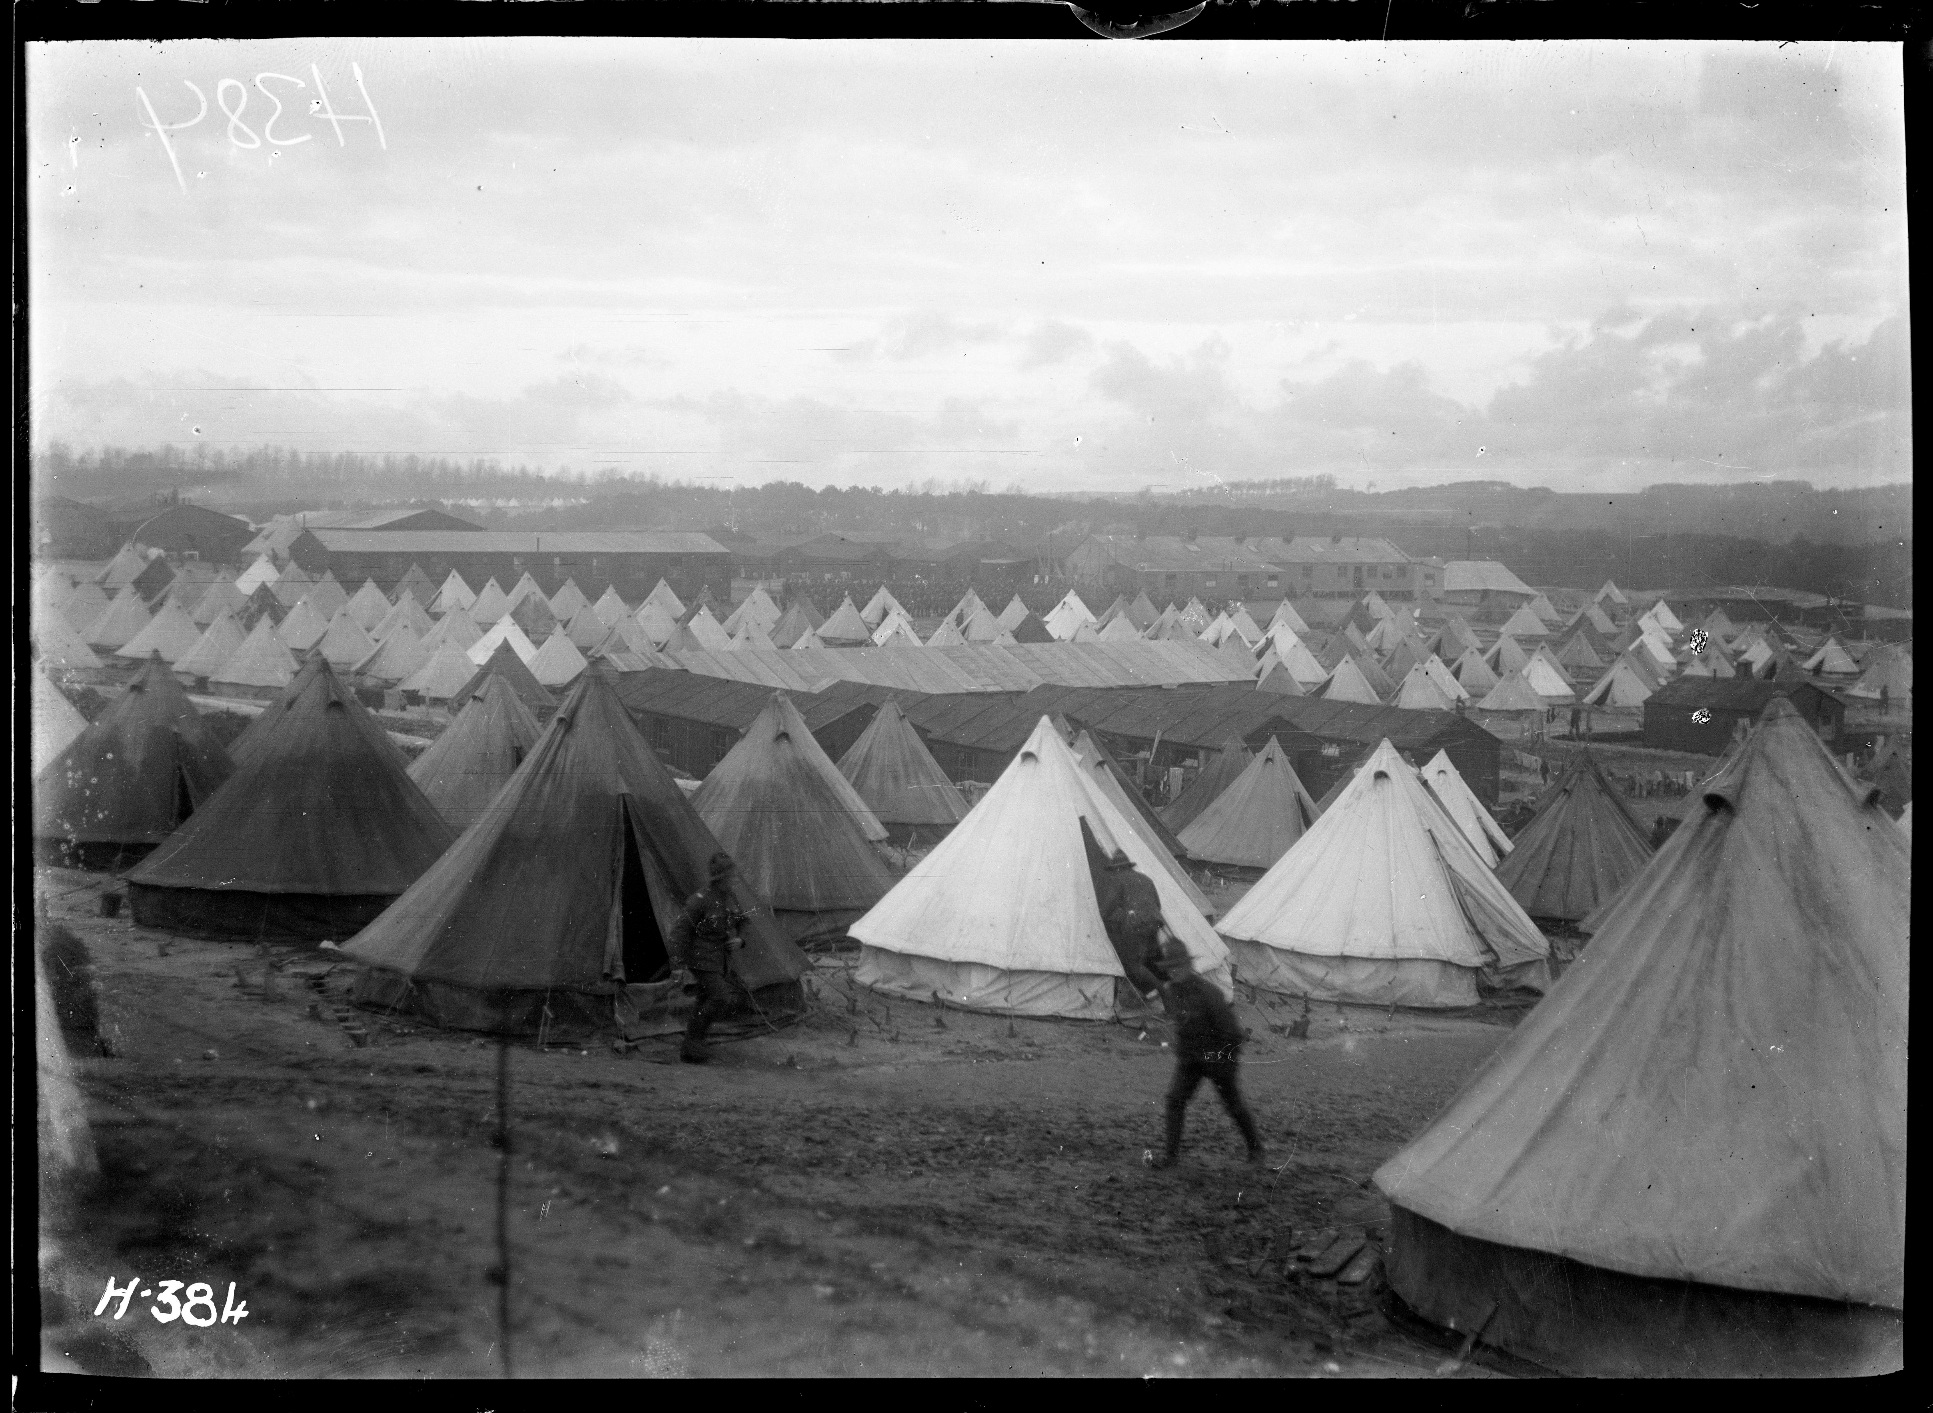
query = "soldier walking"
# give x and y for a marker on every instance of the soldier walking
(1208, 1044)
(1131, 913)
(702, 941)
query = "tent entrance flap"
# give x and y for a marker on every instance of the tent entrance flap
(642, 943)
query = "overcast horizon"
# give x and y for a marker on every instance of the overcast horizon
(1058, 267)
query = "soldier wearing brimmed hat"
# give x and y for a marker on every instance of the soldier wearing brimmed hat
(701, 945)
(1131, 913)
(1208, 1044)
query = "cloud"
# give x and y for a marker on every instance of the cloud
(809, 429)
(629, 356)
(1053, 341)
(922, 335)
(1184, 392)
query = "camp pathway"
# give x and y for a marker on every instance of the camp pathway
(882, 1189)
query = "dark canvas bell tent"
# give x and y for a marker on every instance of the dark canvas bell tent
(126, 782)
(1256, 819)
(899, 780)
(317, 831)
(562, 893)
(1582, 847)
(467, 765)
(1690, 1158)
(800, 832)
(1217, 773)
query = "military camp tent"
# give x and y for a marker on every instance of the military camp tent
(1622, 685)
(802, 835)
(1831, 660)
(454, 594)
(1004, 914)
(408, 613)
(123, 785)
(1582, 847)
(170, 634)
(124, 617)
(793, 625)
(1441, 777)
(663, 599)
(611, 606)
(895, 630)
(1285, 613)
(263, 663)
(878, 608)
(345, 644)
(1690, 1158)
(1070, 613)
(219, 642)
(60, 647)
(1891, 667)
(55, 724)
(477, 752)
(845, 628)
(397, 658)
(560, 897)
(1016, 610)
(1384, 902)
(368, 606)
(558, 661)
(1506, 656)
(446, 673)
(1347, 684)
(317, 830)
(506, 663)
(1610, 593)
(491, 604)
(899, 780)
(568, 599)
(1421, 692)
(1105, 772)
(303, 627)
(1218, 771)
(1256, 819)
(531, 612)
(503, 633)
(417, 585)
(1473, 674)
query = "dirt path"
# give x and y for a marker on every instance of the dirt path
(878, 1189)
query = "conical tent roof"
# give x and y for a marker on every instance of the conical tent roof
(1583, 846)
(1890, 667)
(1546, 680)
(1457, 638)
(1256, 819)
(446, 673)
(800, 832)
(1474, 673)
(1379, 681)
(87, 603)
(758, 609)
(1420, 692)
(1003, 914)
(303, 628)
(368, 605)
(845, 626)
(56, 721)
(503, 631)
(295, 575)
(1347, 684)
(895, 630)
(1831, 658)
(793, 625)
(706, 629)
(132, 776)
(1272, 676)
(124, 616)
(1610, 593)
(662, 597)
(532, 613)
(219, 642)
(491, 604)
(1016, 610)
(1577, 652)
(1445, 680)
(417, 585)
(656, 623)
(327, 596)
(454, 593)
(1105, 773)
(123, 569)
(611, 606)
(184, 592)
(532, 901)
(263, 660)
(1141, 609)
(947, 635)
(750, 635)
(345, 644)
(1512, 693)
(1285, 614)
(399, 657)
(1620, 686)
(1545, 609)
(1506, 656)
(1112, 611)
(1383, 901)
(897, 776)
(262, 571)
(467, 765)
(262, 604)
(568, 599)
(1715, 1093)
(1070, 613)
(1218, 771)
(558, 661)
(877, 607)
(455, 629)
(217, 600)
(981, 627)
(1661, 613)
(1084, 633)
(1444, 781)
(61, 648)
(1121, 630)
(968, 605)
(524, 588)
(1525, 624)
(1031, 630)
(505, 662)
(1717, 625)
(318, 827)
(586, 628)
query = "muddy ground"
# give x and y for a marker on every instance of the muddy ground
(877, 1189)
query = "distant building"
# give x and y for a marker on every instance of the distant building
(1349, 566)
(1483, 583)
(632, 562)
(64, 528)
(1174, 567)
(274, 538)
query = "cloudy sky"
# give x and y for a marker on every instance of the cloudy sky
(1064, 266)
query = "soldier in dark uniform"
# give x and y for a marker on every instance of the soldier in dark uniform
(1208, 1044)
(702, 942)
(1131, 913)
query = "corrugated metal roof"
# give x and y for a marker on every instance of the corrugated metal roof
(719, 702)
(973, 667)
(1313, 549)
(1474, 575)
(1206, 554)
(338, 541)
